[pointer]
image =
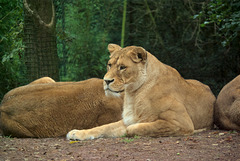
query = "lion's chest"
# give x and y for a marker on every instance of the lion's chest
(128, 116)
(132, 112)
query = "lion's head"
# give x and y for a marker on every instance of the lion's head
(126, 69)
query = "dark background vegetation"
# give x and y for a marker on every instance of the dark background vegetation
(200, 38)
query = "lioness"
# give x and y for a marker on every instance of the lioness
(45, 108)
(157, 100)
(227, 107)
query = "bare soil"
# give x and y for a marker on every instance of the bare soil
(207, 145)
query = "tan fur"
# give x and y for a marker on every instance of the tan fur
(227, 107)
(157, 100)
(43, 80)
(46, 108)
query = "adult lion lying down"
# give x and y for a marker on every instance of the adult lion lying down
(227, 108)
(46, 108)
(157, 100)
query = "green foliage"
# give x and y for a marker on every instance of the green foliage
(225, 15)
(220, 21)
(11, 46)
(88, 29)
(11, 30)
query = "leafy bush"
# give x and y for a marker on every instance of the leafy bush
(225, 15)
(11, 46)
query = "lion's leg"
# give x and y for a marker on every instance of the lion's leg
(116, 129)
(158, 128)
(173, 122)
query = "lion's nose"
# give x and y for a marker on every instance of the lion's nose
(108, 81)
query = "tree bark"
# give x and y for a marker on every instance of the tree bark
(40, 39)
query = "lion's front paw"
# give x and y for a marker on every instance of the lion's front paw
(137, 129)
(78, 135)
(132, 130)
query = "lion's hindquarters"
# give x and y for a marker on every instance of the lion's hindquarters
(172, 120)
(229, 118)
(200, 104)
(235, 113)
(12, 128)
(227, 107)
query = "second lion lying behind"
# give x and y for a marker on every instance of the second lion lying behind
(227, 107)
(157, 100)
(45, 108)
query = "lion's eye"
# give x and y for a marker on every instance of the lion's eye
(109, 66)
(122, 67)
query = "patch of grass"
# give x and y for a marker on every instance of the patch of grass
(129, 140)
(233, 132)
(8, 137)
(136, 137)
(125, 135)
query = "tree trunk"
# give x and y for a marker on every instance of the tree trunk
(40, 39)
(123, 22)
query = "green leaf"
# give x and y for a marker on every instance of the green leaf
(195, 16)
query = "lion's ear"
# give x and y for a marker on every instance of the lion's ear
(139, 55)
(113, 47)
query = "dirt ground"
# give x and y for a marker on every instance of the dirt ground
(207, 145)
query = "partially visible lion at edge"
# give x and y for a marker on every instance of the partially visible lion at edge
(227, 108)
(45, 108)
(157, 100)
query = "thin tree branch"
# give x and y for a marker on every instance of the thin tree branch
(34, 13)
(150, 13)
(159, 38)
